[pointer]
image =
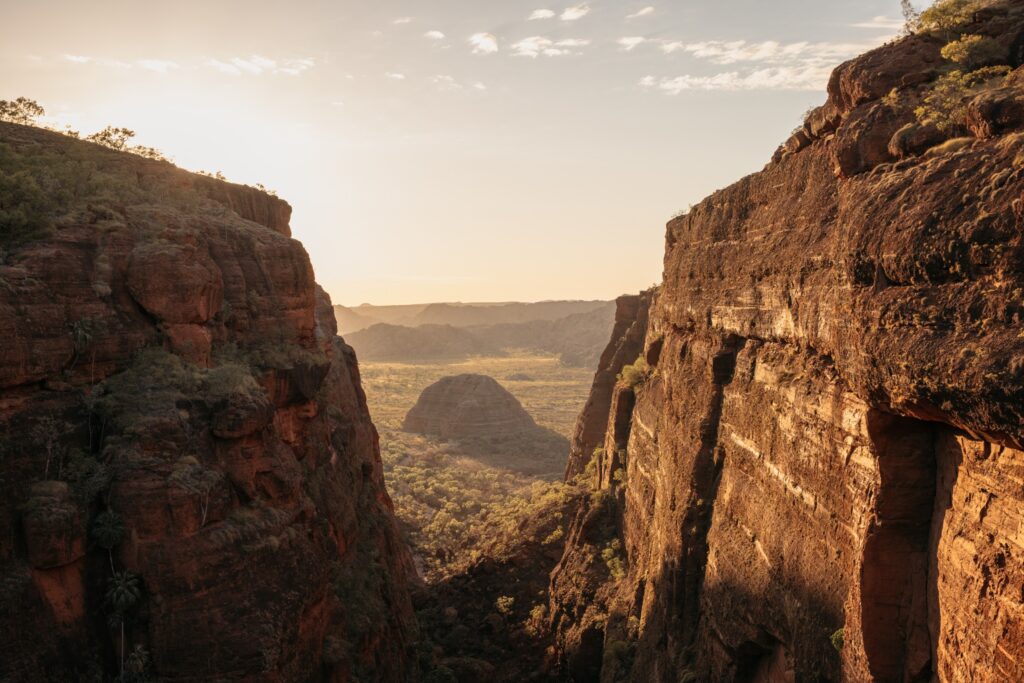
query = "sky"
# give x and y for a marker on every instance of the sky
(451, 150)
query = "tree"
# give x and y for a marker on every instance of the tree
(112, 137)
(124, 591)
(137, 665)
(911, 17)
(21, 110)
(47, 431)
(108, 531)
(949, 15)
(190, 475)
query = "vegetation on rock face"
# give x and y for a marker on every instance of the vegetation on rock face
(973, 51)
(636, 374)
(838, 639)
(190, 475)
(979, 64)
(949, 15)
(945, 105)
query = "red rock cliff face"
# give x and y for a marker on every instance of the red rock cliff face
(168, 358)
(832, 436)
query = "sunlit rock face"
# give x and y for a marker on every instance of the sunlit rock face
(821, 477)
(168, 358)
(469, 407)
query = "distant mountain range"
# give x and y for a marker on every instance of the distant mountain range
(575, 330)
(353, 319)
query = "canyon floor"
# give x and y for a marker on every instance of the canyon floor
(474, 488)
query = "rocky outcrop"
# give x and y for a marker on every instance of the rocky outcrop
(190, 469)
(820, 479)
(468, 407)
(626, 346)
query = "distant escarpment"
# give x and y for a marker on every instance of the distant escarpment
(191, 485)
(806, 448)
(578, 339)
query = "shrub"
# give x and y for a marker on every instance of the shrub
(554, 536)
(838, 639)
(613, 559)
(504, 604)
(87, 477)
(29, 197)
(973, 51)
(949, 15)
(945, 105)
(112, 137)
(635, 374)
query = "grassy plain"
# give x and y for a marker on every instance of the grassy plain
(453, 506)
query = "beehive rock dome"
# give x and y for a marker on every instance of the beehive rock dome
(468, 407)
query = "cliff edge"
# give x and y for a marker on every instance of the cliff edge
(191, 486)
(817, 473)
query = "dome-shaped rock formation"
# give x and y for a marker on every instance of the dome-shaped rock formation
(469, 407)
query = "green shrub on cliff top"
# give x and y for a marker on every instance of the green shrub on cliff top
(949, 15)
(973, 51)
(945, 105)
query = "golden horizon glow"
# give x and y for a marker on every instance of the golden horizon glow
(457, 152)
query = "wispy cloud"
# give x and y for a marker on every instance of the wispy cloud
(805, 77)
(257, 65)
(395, 76)
(881, 23)
(159, 65)
(224, 67)
(483, 43)
(575, 12)
(732, 52)
(631, 42)
(434, 35)
(541, 14)
(83, 59)
(771, 65)
(536, 46)
(646, 11)
(402, 20)
(294, 67)
(445, 82)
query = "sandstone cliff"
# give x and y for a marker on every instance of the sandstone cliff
(191, 481)
(821, 478)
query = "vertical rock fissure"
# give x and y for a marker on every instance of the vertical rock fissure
(707, 468)
(897, 550)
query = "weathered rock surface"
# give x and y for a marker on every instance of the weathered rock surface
(832, 436)
(468, 407)
(169, 357)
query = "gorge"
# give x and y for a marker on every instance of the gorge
(802, 457)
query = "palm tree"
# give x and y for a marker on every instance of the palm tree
(108, 531)
(124, 590)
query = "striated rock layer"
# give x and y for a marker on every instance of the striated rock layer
(170, 364)
(822, 477)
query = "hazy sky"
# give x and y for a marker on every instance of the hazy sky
(451, 150)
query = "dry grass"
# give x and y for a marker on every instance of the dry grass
(454, 507)
(554, 396)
